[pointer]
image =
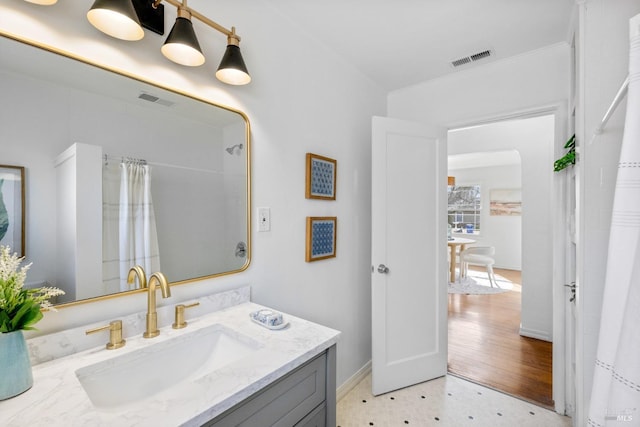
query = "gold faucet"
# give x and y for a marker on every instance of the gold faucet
(152, 317)
(115, 334)
(180, 322)
(137, 271)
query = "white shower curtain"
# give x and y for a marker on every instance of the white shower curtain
(137, 224)
(615, 397)
(110, 227)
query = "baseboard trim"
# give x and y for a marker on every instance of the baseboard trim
(355, 379)
(532, 333)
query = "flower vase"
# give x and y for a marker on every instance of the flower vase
(15, 366)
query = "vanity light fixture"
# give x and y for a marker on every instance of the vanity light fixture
(182, 46)
(42, 2)
(117, 18)
(120, 19)
(232, 69)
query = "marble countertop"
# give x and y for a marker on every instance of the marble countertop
(58, 399)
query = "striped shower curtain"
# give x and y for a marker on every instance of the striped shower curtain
(138, 239)
(110, 228)
(615, 397)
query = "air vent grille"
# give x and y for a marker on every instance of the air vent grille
(148, 97)
(481, 55)
(461, 61)
(156, 100)
(471, 58)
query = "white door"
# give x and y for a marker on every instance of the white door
(409, 261)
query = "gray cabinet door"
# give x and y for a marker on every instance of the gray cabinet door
(284, 403)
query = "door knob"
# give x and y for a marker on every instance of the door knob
(383, 269)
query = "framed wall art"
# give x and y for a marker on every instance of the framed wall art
(506, 202)
(12, 208)
(322, 234)
(321, 177)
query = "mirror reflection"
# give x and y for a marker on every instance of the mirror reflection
(120, 173)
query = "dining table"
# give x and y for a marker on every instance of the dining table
(454, 243)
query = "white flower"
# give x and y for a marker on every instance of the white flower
(20, 308)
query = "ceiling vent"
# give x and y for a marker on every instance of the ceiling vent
(471, 58)
(156, 100)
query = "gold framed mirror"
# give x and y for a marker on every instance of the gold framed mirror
(76, 127)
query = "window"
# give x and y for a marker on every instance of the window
(464, 208)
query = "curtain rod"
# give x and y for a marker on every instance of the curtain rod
(614, 104)
(634, 31)
(123, 159)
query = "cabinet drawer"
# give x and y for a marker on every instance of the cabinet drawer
(283, 403)
(315, 419)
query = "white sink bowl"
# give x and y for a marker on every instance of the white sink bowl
(149, 370)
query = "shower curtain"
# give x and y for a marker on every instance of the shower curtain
(138, 240)
(110, 227)
(615, 397)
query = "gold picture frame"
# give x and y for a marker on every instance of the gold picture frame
(321, 177)
(12, 207)
(322, 235)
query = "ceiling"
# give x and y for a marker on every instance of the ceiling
(399, 43)
(483, 159)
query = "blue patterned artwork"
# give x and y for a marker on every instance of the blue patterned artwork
(322, 242)
(321, 238)
(321, 177)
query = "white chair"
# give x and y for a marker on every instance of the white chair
(478, 255)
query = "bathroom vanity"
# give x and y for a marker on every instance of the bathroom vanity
(304, 397)
(221, 370)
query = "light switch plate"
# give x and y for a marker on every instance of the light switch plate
(264, 219)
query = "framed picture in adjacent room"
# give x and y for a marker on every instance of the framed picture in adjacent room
(322, 234)
(12, 208)
(321, 177)
(506, 202)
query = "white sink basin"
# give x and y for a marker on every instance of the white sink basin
(147, 371)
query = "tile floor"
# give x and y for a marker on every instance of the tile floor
(446, 401)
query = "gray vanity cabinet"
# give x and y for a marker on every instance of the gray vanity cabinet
(305, 397)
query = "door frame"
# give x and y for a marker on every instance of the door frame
(562, 372)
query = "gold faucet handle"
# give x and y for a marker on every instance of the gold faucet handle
(115, 334)
(180, 322)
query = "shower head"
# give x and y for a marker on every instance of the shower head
(232, 149)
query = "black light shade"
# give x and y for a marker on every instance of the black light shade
(232, 69)
(116, 18)
(182, 46)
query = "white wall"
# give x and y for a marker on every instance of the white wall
(603, 58)
(302, 99)
(235, 183)
(502, 232)
(527, 82)
(79, 222)
(65, 213)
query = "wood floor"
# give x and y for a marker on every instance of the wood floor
(485, 347)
